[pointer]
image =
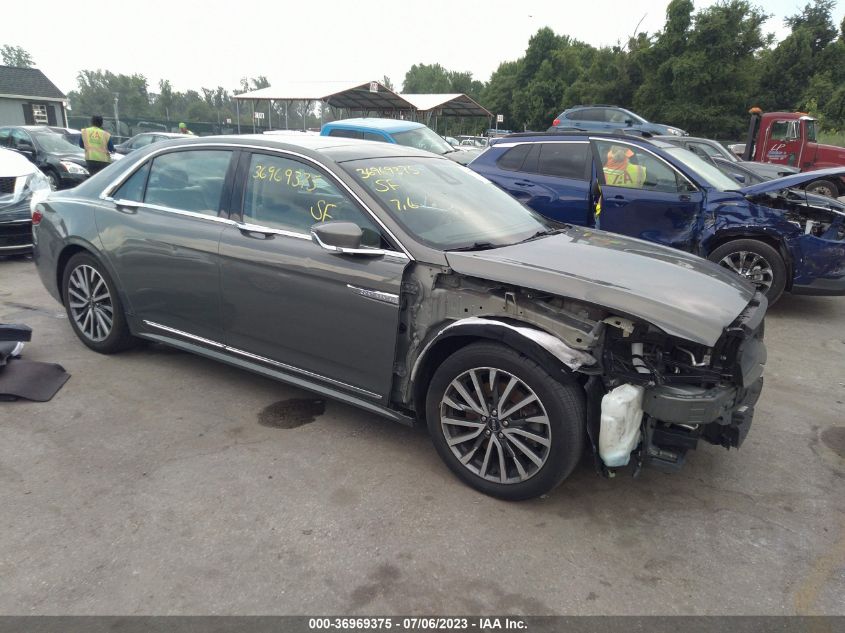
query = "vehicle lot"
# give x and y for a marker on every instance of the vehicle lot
(149, 485)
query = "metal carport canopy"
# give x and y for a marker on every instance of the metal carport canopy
(457, 104)
(340, 94)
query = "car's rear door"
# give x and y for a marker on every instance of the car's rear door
(161, 230)
(294, 305)
(645, 197)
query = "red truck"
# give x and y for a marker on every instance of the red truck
(789, 138)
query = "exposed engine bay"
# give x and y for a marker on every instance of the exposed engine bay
(649, 395)
(811, 214)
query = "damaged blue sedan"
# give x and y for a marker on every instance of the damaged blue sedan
(774, 234)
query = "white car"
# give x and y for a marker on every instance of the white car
(22, 186)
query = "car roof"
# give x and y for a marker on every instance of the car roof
(338, 149)
(388, 125)
(531, 137)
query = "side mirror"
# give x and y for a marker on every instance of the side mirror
(629, 122)
(343, 238)
(739, 178)
(26, 149)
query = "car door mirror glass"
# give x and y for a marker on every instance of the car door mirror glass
(337, 236)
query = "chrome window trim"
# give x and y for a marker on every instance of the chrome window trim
(240, 352)
(189, 214)
(660, 158)
(515, 143)
(105, 194)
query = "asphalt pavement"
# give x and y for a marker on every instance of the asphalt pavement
(157, 482)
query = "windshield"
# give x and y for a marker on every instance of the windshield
(704, 171)
(55, 144)
(423, 138)
(445, 205)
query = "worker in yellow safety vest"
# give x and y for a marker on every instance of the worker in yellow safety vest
(618, 172)
(97, 144)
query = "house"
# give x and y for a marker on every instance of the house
(27, 97)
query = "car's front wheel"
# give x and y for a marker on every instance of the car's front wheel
(93, 306)
(502, 423)
(823, 187)
(757, 262)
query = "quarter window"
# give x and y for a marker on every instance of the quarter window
(189, 181)
(629, 166)
(286, 194)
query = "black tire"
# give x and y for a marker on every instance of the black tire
(92, 333)
(562, 431)
(776, 275)
(823, 187)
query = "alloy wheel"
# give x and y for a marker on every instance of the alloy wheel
(90, 303)
(495, 425)
(753, 267)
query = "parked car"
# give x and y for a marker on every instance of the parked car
(400, 282)
(408, 133)
(716, 153)
(606, 118)
(61, 162)
(21, 184)
(774, 235)
(142, 140)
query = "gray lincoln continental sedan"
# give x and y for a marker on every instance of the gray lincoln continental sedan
(405, 284)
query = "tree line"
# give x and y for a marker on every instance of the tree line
(702, 72)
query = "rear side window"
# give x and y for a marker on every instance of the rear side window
(189, 181)
(513, 158)
(565, 160)
(346, 133)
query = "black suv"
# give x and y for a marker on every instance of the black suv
(62, 162)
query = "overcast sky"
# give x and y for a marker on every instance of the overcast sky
(213, 43)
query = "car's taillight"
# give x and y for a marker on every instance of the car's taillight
(556, 122)
(36, 217)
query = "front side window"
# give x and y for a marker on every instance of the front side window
(188, 181)
(133, 188)
(142, 141)
(811, 130)
(5, 137)
(443, 204)
(286, 194)
(630, 166)
(372, 136)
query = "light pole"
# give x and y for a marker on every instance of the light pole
(116, 115)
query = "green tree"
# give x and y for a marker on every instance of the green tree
(16, 56)
(425, 79)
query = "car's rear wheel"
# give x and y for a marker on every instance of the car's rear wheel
(93, 306)
(757, 262)
(823, 187)
(502, 423)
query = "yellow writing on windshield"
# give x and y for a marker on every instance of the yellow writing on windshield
(390, 171)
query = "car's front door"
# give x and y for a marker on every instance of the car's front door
(161, 230)
(644, 196)
(288, 302)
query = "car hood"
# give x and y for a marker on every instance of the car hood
(13, 164)
(682, 294)
(463, 156)
(793, 180)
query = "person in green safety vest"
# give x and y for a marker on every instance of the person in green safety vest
(97, 144)
(618, 172)
(183, 129)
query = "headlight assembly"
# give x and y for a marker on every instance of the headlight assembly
(73, 168)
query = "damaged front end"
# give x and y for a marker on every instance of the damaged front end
(649, 394)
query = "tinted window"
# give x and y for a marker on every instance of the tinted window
(630, 166)
(592, 114)
(190, 181)
(286, 194)
(372, 136)
(514, 157)
(346, 133)
(565, 160)
(5, 137)
(133, 188)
